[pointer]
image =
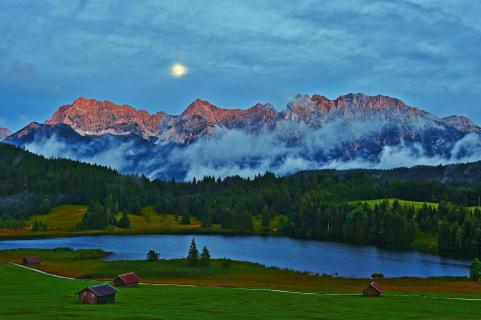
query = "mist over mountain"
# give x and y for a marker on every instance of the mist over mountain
(313, 132)
(4, 132)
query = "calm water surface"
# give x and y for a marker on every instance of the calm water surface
(302, 255)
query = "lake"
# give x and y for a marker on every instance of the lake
(301, 255)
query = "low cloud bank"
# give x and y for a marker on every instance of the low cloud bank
(283, 151)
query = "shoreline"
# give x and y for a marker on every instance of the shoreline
(214, 232)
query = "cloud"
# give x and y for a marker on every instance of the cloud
(22, 69)
(237, 152)
(427, 52)
(112, 154)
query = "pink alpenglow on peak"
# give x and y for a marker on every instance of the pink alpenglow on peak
(93, 117)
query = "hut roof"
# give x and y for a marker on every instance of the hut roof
(32, 259)
(375, 286)
(101, 290)
(129, 278)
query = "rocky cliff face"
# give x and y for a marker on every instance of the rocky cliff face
(312, 132)
(93, 117)
(4, 132)
(462, 124)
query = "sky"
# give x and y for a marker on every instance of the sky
(236, 53)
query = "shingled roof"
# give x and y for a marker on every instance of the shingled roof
(101, 290)
(31, 260)
(129, 278)
(375, 286)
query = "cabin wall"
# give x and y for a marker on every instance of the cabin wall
(106, 299)
(87, 297)
(370, 292)
(118, 283)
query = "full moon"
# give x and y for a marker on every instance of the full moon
(178, 70)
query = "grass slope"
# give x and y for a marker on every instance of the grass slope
(61, 221)
(415, 204)
(29, 295)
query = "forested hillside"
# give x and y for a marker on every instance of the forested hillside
(316, 204)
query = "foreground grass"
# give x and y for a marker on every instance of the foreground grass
(29, 295)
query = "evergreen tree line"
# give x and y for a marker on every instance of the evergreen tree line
(458, 227)
(384, 224)
(194, 257)
(318, 204)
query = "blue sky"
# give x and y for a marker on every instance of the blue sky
(427, 53)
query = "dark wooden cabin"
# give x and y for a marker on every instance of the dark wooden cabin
(126, 280)
(373, 290)
(31, 261)
(99, 294)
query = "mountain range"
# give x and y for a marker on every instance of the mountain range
(353, 130)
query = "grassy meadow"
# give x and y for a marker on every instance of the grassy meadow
(62, 220)
(415, 204)
(26, 294)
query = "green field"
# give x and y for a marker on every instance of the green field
(415, 204)
(26, 294)
(62, 220)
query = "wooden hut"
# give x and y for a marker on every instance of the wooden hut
(373, 290)
(126, 280)
(31, 261)
(99, 294)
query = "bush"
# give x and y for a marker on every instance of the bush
(39, 226)
(152, 256)
(475, 271)
(205, 257)
(377, 275)
(226, 262)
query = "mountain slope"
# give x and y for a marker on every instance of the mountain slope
(313, 132)
(92, 117)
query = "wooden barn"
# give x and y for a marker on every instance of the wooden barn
(373, 290)
(99, 294)
(126, 280)
(31, 261)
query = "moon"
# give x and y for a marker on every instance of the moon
(178, 70)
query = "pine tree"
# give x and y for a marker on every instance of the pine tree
(185, 218)
(205, 257)
(266, 217)
(124, 221)
(152, 256)
(475, 272)
(193, 256)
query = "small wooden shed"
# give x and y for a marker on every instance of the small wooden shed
(99, 294)
(127, 280)
(31, 261)
(373, 290)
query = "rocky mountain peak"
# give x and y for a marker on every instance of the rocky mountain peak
(368, 102)
(462, 124)
(201, 108)
(94, 117)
